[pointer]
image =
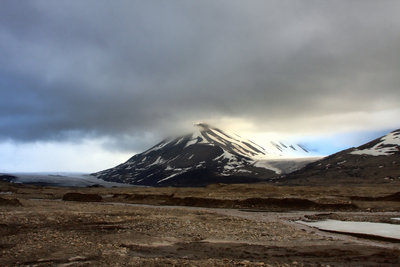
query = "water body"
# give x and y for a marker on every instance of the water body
(384, 230)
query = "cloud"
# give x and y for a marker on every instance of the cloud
(84, 156)
(133, 70)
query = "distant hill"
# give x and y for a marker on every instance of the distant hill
(376, 162)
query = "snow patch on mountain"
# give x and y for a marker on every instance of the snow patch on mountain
(175, 174)
(387, 146)
(157, 147)
(197, 138)
(158, 161)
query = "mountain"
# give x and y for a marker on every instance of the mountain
(206, 156)
(376, 162)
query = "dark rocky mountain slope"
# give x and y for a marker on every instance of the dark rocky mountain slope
(376, 162)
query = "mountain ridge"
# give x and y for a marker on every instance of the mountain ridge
(375, 162)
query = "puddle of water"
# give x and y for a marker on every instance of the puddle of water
(384, 230)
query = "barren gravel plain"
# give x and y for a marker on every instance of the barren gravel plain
(220, 225)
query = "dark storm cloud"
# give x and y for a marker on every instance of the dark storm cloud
(128, 69)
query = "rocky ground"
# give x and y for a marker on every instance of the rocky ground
(38, 228)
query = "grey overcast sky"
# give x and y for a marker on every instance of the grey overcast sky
(87, 83)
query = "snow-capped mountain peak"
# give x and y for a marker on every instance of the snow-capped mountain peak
(209, 136)
(208, 153)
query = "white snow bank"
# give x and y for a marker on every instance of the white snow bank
(367, 228)
(281, 166)
(264, 164)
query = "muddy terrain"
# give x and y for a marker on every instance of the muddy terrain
(221, 225)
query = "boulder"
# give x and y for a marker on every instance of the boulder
(10, 202)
